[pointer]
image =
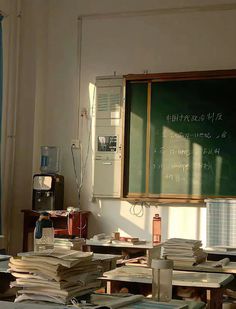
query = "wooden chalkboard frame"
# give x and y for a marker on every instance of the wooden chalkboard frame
(165, 198)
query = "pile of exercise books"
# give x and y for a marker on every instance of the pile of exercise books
(70, 244)
(184, 252)
(54, 276)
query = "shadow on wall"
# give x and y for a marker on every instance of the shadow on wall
(108, 216)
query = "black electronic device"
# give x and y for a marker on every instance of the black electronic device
(48, 192)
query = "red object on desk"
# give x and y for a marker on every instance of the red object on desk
(64, 223)
(156, 229)
(77, 225)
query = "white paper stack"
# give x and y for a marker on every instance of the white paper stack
(66, 243)
(54, 276)
(184, 251)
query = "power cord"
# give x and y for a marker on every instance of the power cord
(78, 185)
(83, 165)
(137, 207)
(135, 212)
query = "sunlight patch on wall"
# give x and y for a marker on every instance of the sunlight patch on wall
(136, 221)
(90, 125)
(139, 125)
(218, 169)
(175, 166)
(183, 222)
(123, 233)
(202, 225)
(92, 97)
(135, 214)
(99, 206)
(196, 168)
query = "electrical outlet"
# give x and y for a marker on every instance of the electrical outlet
(75, 143)
(84, 113)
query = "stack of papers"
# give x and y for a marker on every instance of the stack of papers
(184, 251)
(65, 243)
(54, 276)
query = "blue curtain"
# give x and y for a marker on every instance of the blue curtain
(1, 86)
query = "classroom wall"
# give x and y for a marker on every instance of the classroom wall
(10, 23)
(60, 58)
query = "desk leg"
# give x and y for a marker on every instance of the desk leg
(113, 286)
(25, 234)
(110, 287)
(215, 298)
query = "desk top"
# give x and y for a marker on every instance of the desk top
(147, 245)
(218, 252)
(135, 302)
(4, 259)
(180, 278)
(174, 304)
(207, 266)
(53, 213)
(4, 266)
(11, 305)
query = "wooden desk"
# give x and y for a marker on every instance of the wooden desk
(5, 279)
(207, 267)
(59, 218)
(125, 248)
(11, 305)
(112, 300)
(214, 283)
(108, 261)
(215, 255)
(139, 305)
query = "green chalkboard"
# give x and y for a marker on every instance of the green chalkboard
(137, 94)
(192, 132)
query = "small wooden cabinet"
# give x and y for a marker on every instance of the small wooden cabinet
(62, 220)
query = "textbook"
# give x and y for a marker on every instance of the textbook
(184, 252)
(58, 256)
(57, 274)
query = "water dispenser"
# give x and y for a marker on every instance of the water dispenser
(49, 159)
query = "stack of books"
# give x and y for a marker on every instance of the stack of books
(55, 276)
(129, 241)
(184, 252)
(66, 243)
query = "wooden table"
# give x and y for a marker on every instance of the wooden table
(5, 278)
(11, 305)
(230, 268)
(215, 255)
(140, 305)
(60, 221)
(142, 302)
(214, 283)
(125, 248)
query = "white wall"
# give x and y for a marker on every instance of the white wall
(158, 42)
(10, 27)
(122, 36)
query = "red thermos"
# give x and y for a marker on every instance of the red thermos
(156, 229)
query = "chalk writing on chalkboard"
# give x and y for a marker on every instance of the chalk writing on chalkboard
(194, 118)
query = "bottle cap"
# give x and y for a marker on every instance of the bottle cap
(45, 213)
(43, 222)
